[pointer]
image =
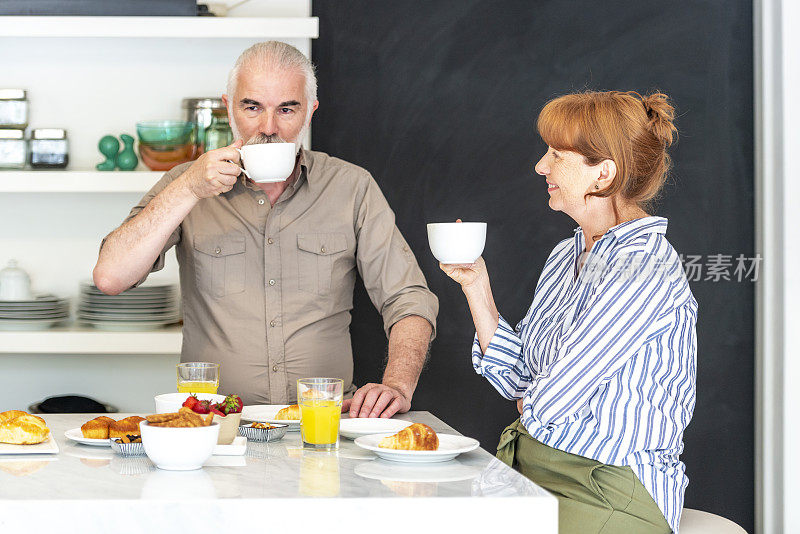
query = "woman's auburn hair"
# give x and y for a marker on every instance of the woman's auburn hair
(631, 130)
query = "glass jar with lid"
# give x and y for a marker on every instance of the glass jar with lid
(199, 111)
(13, 149)
(14, 108)
(49, 148)
(218, 134)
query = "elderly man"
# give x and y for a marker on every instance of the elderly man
(267, 270)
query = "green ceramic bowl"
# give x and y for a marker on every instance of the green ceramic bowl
(164, 132)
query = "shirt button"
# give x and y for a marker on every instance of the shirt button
(217, 250)
(270, 241)
(272, 282)
(272, 323)
(261, 201)
(274, 368)
(322, 250)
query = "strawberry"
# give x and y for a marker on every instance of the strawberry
(231, 404)
(191, 401)
(215, 411)
(202, 407)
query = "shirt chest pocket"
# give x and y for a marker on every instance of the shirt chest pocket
(220, 263)
(315, 256)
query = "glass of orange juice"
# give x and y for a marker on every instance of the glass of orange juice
(320, 401)
(198, 377)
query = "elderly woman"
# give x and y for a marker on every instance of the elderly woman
(603, 364)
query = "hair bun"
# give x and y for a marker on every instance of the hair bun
(661, 114)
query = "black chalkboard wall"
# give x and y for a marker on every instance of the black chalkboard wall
(438, 99)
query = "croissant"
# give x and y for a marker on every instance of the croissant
(417, 437)
(290, 413)
(97, 428)
(13, 414)
(22, 429)
(127, 429)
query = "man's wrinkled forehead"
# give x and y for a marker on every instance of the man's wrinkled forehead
(273, 84)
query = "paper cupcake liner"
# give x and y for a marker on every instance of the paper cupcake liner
(127, 449)
(263, 434)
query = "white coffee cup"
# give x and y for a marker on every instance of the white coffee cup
(457, 242)
(268, 162)
(15, 284)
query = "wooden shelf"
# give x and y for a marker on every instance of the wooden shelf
(78, 181)
(163, 27)
(75, 339)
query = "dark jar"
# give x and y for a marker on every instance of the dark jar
(49, 148)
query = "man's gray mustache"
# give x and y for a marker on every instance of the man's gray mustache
(261, 139)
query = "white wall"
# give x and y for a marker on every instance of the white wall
(93, 87)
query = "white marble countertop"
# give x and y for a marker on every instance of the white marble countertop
(87, 489)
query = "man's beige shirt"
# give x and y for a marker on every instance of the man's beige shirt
(267, 290)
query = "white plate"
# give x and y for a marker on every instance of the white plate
(28, 324)
(48, 446)
(76, 435)
(451, 471)
(237, 448)
(265, 413)
(450, 446)
(121, 326)
(357, 427)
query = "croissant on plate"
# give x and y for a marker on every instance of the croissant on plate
(21, 428)
(290, 413)
(417, 437)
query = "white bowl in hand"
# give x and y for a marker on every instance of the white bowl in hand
(179, 449)
(457, 242)
(172, 402)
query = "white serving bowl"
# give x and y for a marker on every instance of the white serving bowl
(457, 242)
(179, 449)
(172, 402)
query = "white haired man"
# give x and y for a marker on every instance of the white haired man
(267, 270)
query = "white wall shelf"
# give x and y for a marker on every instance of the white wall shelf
(78, 181)
(169, 27)
(74, 339)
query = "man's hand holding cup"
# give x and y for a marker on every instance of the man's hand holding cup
(214, 172)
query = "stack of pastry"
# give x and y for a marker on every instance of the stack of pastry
(416, 437)
(21, 428)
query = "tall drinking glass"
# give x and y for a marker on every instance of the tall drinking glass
(320, 401)
(198, 377)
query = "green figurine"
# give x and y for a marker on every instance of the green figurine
(127, 160)
(109, 147)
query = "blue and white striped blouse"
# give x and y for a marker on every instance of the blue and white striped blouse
(605, 358)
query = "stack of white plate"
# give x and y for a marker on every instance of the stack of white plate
(141, 308)
(39, 313)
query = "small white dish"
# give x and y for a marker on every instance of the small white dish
(179, 449)
(450, 446)
(457, 242)
(237, 448)
(76, 435)
(352, 428)
(265, 413)
(172, 402)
